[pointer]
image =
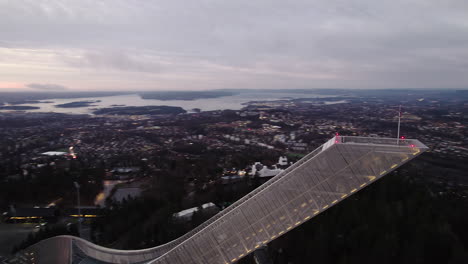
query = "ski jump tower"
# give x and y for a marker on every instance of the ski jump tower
(323, 178)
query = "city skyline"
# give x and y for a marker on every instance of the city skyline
(203, 45)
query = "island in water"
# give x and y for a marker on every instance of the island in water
(19, 107)
(78, 104)
(141, 110)
(29, 102)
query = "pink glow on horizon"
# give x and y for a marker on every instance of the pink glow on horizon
(10, 85)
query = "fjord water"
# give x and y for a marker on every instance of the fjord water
(233, 102)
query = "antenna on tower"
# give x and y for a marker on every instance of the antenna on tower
(399, 121)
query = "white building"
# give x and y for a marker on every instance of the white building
(188, 213)
(263, 171)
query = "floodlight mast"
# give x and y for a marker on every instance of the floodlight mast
(77, 186)
(399, 121)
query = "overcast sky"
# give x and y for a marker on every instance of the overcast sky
(58, 45)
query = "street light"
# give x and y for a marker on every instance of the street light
(77, 186)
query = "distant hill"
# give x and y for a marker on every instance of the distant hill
(185, 95)
(18, 107)
(23, 97)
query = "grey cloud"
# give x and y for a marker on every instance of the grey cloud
(364, 40)
(111, 60)
(47, 87)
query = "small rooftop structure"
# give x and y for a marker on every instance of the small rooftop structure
(54, 153)
(283, 161)
(86, 212)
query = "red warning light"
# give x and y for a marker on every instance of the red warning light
(402, 137)
(412, 145)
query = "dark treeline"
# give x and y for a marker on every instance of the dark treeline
(48, 183)
(45, 233)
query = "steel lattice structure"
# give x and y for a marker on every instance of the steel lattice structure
(334, 171)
